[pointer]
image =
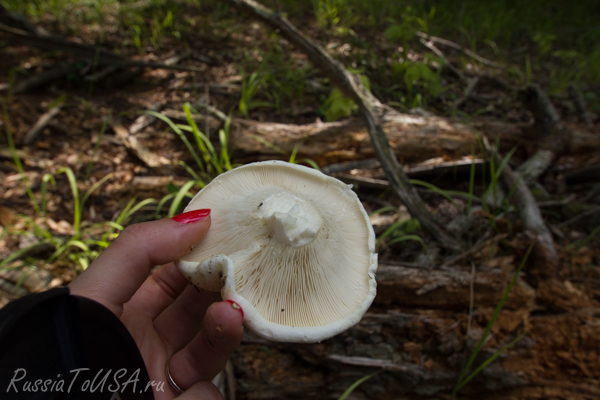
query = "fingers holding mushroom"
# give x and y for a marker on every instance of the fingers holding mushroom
(182, 320)
(206, 355)
(117, 274)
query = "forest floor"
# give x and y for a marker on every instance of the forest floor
(433, 305)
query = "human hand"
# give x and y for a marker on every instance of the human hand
(168, 318)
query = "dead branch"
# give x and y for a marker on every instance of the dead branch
(579, 103)
(547, 129)
(338, 168)
(19, 21)
(41, 123)
(583, 174)
(480, 245)
(144, 120)
(467, 93)
(431, 46)
(139, 150)
(367, 104)
(531, 217)
(458, 47)
(96, 54)
(46, 77)
(579, 217)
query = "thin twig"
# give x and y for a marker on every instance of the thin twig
(139, 150)
(467, 93)
(429, 44)
(144, 120)
(474, 249)
(581, 216)
(46, 76)
(472, 297)
(456, 46)
(41, 124)
(231, 385)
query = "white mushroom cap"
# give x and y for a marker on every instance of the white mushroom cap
(292, 246)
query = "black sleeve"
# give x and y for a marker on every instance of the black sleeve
(57, 346)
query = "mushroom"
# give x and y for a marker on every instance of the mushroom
(292, 246)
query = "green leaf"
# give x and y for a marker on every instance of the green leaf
(338, 106)
(395, 32)
(172, 188)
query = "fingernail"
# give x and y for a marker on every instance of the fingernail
(236, 306)
(192, 216)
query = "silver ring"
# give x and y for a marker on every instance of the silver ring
(172, 382)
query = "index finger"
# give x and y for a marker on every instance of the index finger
(120, 270)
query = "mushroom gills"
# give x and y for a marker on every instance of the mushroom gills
(211, 274)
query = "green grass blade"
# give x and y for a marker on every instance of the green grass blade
(471, 183)
(355, 385)
(436, 190)
(495, 315)
(45, 179)
(311, 163)
(195, 131)
(132, 210)
(292, 159)
(225, 160)
(122, 215)
(96, 147)
(487, 362)
(16, 255)
(17, 160)
(179, 133)
(111, 224)
(409, 237)
(179, 197)
(161, 203)
(268, 144)
(389, 231)
(94, 188)
(206, 147)
(383, 210)
(193, 173)
(71, 243)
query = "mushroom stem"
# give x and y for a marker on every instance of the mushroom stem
(293, 221)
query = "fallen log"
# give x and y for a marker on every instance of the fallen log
(412, 138)
(447, 288)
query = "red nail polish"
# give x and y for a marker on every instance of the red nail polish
(192, 216)
(236, 306)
